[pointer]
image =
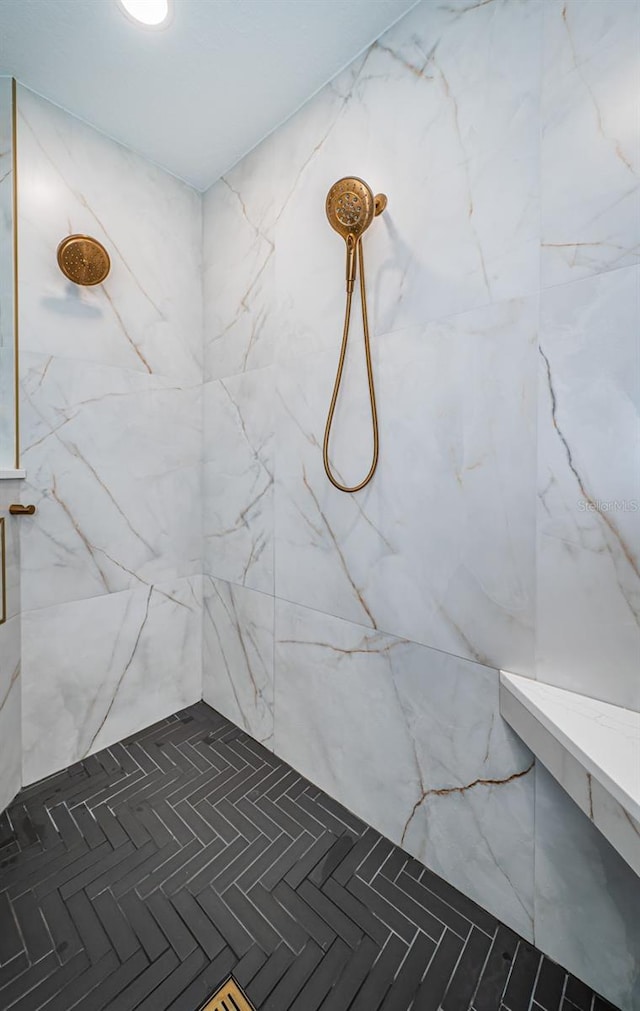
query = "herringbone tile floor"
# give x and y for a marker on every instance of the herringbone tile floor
(144, 875)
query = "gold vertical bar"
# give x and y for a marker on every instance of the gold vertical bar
(16, 342)
(3, 567)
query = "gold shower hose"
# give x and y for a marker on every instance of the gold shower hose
(336, 386)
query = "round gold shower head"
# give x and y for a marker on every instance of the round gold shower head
(83, 260)
(350, 207)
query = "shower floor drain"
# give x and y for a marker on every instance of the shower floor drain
(228, 998)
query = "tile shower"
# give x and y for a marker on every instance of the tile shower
(187, 543)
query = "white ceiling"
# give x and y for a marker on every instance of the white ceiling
(197, 95)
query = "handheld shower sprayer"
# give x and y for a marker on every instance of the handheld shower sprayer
(351, 207)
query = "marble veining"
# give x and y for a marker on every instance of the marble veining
(440, 548)
(588, 581)
(483, 534)
(243, 317)
(111, 387)
(477, 148)
(147, 316)
(101, 668)
(238, 666)
(359, 632)
(238, 479)
(437, 78)
(590, 209)
(438, 771)
(238, 324)
(113, 465)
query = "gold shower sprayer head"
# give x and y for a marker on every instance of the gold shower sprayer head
(350, 207)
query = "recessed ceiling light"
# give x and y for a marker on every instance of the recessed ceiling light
(151, 13)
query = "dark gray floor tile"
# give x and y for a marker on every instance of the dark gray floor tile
(142, 876)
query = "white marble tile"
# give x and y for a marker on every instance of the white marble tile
(590, 138)
(442, 115)
(411, 740)
(242, 315)
(238, 479)
(237, 677)
(147, 315)
(440, 547)
(239, 293)
(588, 582)
(97, 670)
(10, 492)
(113, 464)
(584, 638)
(586, 898)
(7, 408)
(10, 712)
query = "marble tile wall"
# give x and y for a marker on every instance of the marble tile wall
(436, 770)
(10, 693)
(588, 553)
(107, 663)
(365, 632)
(111, 383)
(10, 678)
(590, 211)
(239, 655)
(588, 585)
